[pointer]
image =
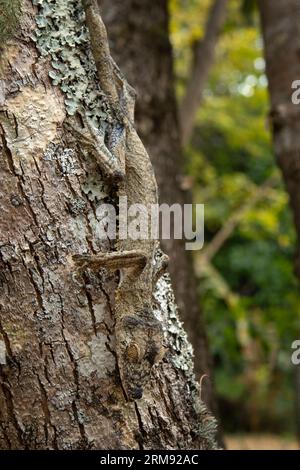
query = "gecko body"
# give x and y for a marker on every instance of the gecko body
(123, 158)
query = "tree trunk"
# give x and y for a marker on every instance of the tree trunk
(297, 399)
(204, 54)
(59, 381)
(139, 37)
(281, 30)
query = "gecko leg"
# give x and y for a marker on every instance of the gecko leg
(94, 141)
(160, 268)
(114, 260)
(100, 50)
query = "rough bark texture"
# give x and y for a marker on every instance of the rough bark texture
(204, 54)
(281, 30)
(60, 387)
(139, 37)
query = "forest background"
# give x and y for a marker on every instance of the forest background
(249, 294)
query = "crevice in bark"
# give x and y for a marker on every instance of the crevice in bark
(90, 304)
(47, 414)
(139, 437)
(8, 154)
(6, 340)
(11, 408)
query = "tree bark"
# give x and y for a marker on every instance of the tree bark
(204, 54)
(60, 386)
(297, 399)
(281, 30)
(139, 37)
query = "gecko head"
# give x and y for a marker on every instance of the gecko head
(140, 347)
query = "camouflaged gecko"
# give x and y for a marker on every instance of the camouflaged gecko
(123, 158)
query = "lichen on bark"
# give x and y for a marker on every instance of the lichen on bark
(62, 34)
(182, 357)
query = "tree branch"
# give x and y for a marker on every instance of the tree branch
(204, 54)
(226, 231)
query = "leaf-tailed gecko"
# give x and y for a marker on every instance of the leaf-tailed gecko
(124, 159)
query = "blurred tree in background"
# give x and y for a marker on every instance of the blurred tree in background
(281, 27)
(249, 293)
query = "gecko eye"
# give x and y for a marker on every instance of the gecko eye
(136, 393)
(133, 352)
(118, 176)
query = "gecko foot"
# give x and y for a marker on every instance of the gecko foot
(160, 268)
(93, 141)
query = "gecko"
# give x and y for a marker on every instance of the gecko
(123, 158)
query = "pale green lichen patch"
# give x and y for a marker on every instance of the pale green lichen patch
(182, 352)
(10, 11)
(65, 157)
(62, 34)
(94, 189)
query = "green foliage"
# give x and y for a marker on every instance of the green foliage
(248, 8)
(250, 298)
(9, 18)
